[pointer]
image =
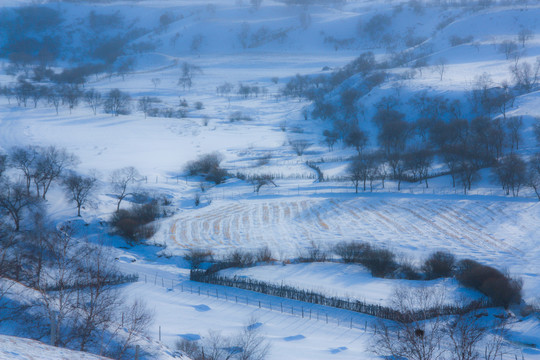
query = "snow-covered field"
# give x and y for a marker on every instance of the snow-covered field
(485, 225)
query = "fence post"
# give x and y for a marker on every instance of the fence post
(327, 318)
(159, 332)
(199, 291)
(302, 312)
(236, 297)
(162, 283)
(351, 323)
(282, 308)
(259, 304)
(309, 314)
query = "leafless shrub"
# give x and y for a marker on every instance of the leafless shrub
(439, 264)
(352, 251)
(264, 255)
(204, 164)
(134, 223)
(239, 116)
(500, 288)
(381, 262)
(198, 256)
(410, 336)
(239, 258)
(314, 253)
(299, 146)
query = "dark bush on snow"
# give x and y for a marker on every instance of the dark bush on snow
(208, 165)
(439, 264)
(134, 223)
(380, 262)
(239, 258)
(264, 255)
(500, 288)
(198, 256)
(351, 251)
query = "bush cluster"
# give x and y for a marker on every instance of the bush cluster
(208, 165)
(380, 262)
(134, 223)
(500, 288)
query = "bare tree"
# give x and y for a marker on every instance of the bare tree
(526, 75)
(466, 332)
(93, 99)
(156, 82)
(508, 47)
(79, 189)
(50, 165)
(514, 125)
(362, 168)
(524, 35)
(511, 172)
(54, 97)
(71, 94)
(98, 298)
(357, 139)
(330, 138)
(299, 146)
(411, 336)
(534, 174)
(259, 181)
(536, 129)
(145, 104)
(58, 284)
(419, 162)
(14, 200)
(24, 159)
(122, 181)
(137, 318)
(188, 72)
(440, 67)
(252, 343)
(117, 103)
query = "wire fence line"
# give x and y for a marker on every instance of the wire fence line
(319, 313)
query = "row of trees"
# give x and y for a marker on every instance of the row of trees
(114, 102)
(464, 147)
(27, 174)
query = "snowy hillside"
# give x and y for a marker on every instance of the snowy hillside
(283, 99)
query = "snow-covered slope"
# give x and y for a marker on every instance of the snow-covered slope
(12, 347)
(232, 42)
